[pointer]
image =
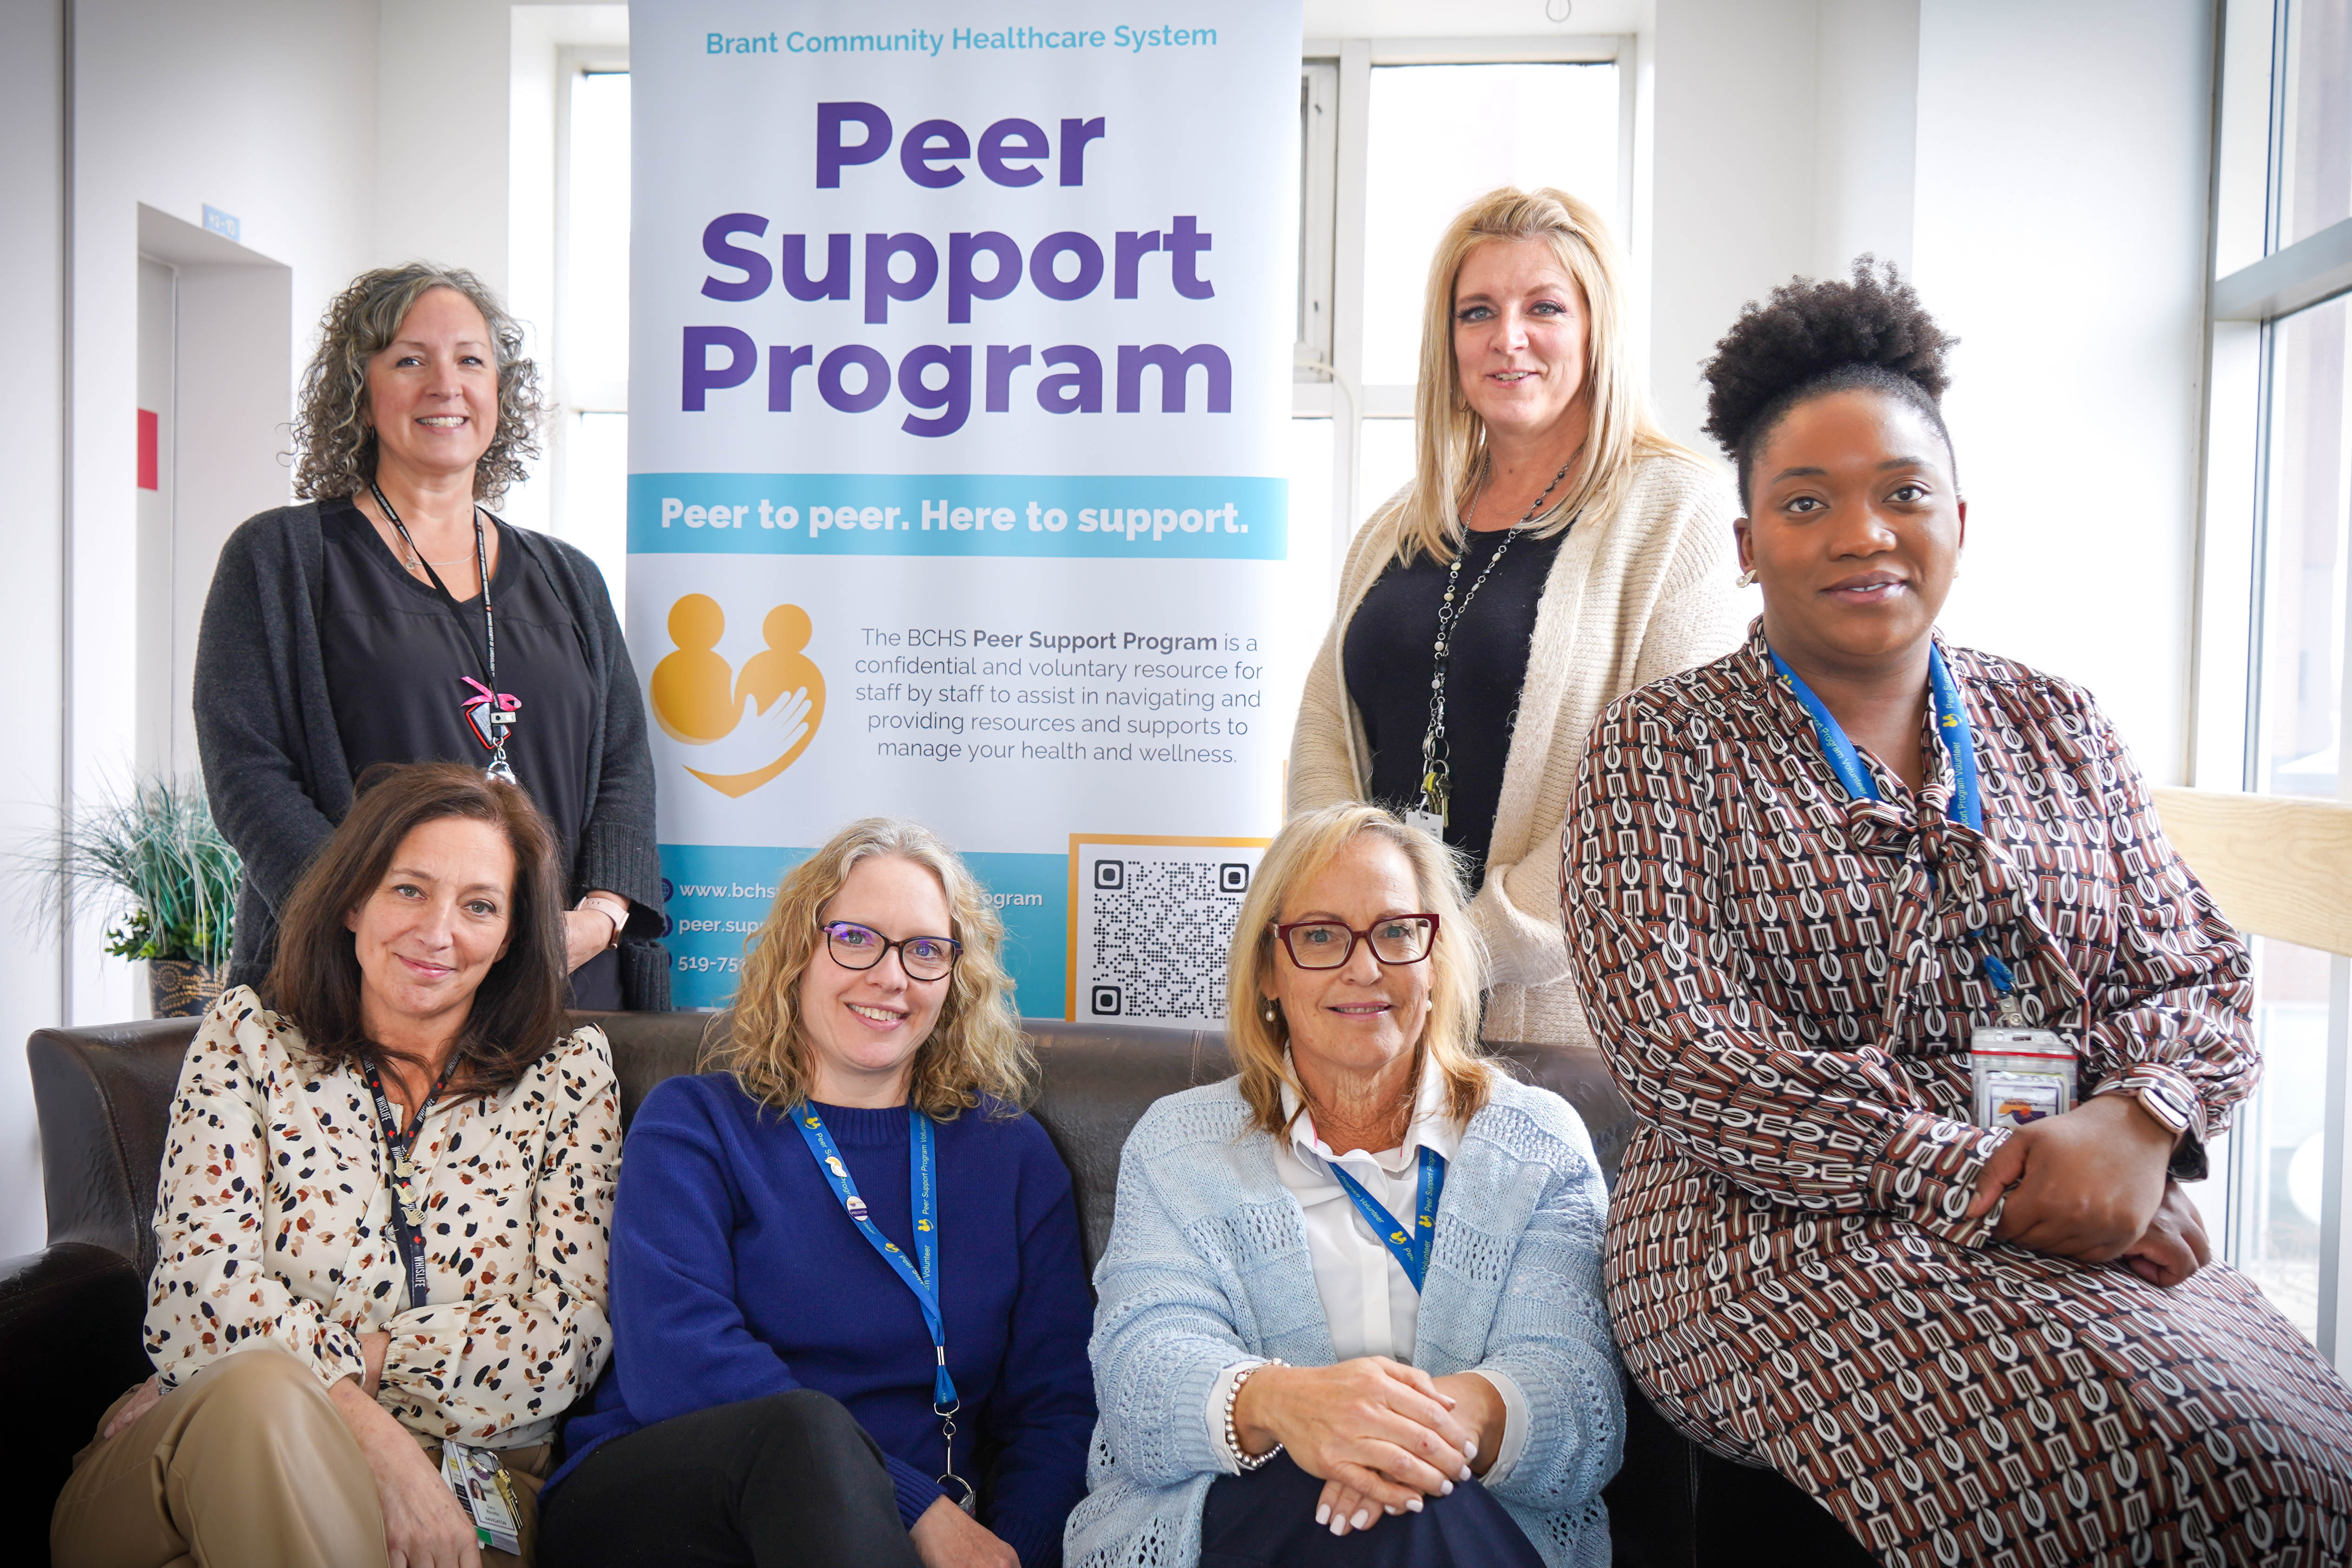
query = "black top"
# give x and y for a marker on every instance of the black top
(399, 653)
(280, 778)
(1389, 656)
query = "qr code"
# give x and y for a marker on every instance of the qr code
(1152, 924)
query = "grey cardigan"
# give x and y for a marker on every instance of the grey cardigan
(273, 758)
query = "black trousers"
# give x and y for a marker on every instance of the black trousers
(1268, 1516)
(790, 1480)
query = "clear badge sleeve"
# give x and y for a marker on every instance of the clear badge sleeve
(2021, 1075)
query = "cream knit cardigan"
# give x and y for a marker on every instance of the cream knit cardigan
(1633, 597)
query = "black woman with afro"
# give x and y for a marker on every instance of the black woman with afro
(1961, 1301)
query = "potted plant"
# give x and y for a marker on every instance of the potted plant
(155, 864)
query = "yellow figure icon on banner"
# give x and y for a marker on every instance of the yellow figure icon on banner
(756, 724)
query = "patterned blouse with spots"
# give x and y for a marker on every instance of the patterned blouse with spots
(273, 1221)
(1784, 980)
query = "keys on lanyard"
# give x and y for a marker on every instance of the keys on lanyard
(408, 1183)
(922, 1275)
(1408, 1244)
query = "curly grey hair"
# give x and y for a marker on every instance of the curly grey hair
(334, 441)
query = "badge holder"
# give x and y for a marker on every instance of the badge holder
(478, 1477)
(502, 722)
(2021, 1075)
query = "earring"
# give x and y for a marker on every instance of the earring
(1747, 579)
(1270, 1010)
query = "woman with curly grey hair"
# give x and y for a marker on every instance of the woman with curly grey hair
(388, 616)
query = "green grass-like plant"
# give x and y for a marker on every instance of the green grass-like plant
(155, 864)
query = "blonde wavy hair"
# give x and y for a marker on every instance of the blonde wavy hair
(334, 440)
(977, 1047)
(1256, 1031)
(1451, 440)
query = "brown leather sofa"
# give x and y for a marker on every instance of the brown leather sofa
(70, 1314)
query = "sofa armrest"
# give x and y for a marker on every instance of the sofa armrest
(69, 1328)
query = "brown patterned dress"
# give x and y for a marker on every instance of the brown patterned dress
(1785, 993)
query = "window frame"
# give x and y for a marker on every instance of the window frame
(1329, 384)
(2255, 284)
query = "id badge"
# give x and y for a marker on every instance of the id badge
(1429, 822)
(2020, 1075)
(478, 1477)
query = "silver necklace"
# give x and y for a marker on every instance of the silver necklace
(409, 557)
(1432, 812)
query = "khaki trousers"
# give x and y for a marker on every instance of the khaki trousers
(246, 1465)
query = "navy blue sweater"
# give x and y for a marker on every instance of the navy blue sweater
(735, 1274)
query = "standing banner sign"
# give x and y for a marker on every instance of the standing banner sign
(958, 398)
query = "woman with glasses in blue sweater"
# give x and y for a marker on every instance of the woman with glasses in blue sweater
(849, 1306)
(1350, 1310)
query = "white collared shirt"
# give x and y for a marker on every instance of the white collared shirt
(1367, 1299)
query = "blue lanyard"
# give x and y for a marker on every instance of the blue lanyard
(923, 1170)
(1410, 1247)
(1967, 805)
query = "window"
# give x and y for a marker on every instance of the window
(592, 320)
(2273, 655)
(2301, 711)
(1442, 127)
(1442, 134)
(2313, 119)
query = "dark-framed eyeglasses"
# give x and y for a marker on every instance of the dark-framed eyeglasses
(1329, 943)
(856, 946)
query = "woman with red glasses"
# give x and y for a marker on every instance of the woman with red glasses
(1351, 1308)
(845, 1265)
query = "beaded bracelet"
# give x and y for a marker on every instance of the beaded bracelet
(1233, 1437)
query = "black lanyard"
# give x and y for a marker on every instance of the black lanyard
(407, 1197)
(501, 719)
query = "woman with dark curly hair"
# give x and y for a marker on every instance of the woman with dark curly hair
(1924, 1022)
(388, 617)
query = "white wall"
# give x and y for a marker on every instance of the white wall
(1866, 105)
(263, 109)
(2060, 218)
(215, 372)
(1732, 208)
(32, 446)
(439, 106)
(2039, 169)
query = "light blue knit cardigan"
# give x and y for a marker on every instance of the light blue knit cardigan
(1208, 1265)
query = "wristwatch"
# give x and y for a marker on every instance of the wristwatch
(612, 909)
(2181, 1114)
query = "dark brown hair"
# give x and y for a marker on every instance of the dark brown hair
(314, 981)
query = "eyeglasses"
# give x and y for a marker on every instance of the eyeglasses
(856, 946)
(1329, 943)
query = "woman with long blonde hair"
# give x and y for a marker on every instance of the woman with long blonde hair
(843, 1261)
(1554, 551)
(1351, 1307)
